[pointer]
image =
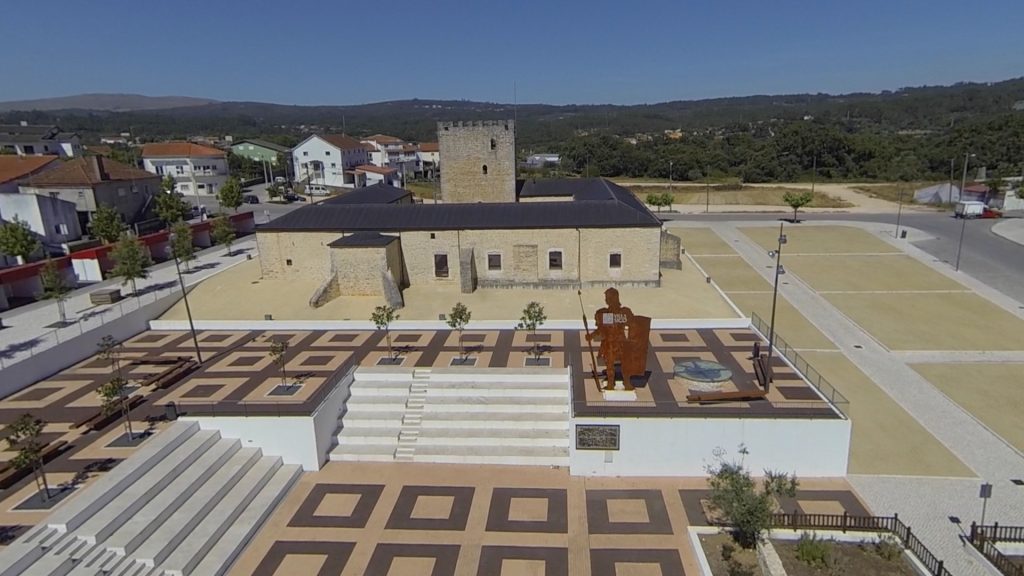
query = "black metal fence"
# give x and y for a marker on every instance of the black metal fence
(985, 538)
(849, 523)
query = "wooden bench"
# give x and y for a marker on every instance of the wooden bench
(172, 376)
(99, 420)
(762, 371)
(157, 360)
(9, 475)
(732, 396)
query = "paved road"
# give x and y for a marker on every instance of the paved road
(986, 256)
(264, 211)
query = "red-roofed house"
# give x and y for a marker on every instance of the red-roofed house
(14, 168)
(368, 175)
(197, 169)
(429, 155)
(391, 152)
(327, 161)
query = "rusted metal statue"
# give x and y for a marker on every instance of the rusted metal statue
(624, 340)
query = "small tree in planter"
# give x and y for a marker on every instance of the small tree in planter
(533, 317)
(382, 317)
(797, 200)
(746, 508)
(457, 320)
(131, 258)
(24, 437)
(114, 394)
(54, 287)
(277, 353)
(181, 243)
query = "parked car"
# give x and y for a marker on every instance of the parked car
(251, 199)
(291, 197)
(280, 180)
(991, 213)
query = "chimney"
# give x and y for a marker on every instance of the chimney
(97, 168)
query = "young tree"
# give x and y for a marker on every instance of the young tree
(277, 351)
(746, 508)
(797, 200)
(131, 260)
(230, 194)
(654, 199)
(533, 317)
(113, 395)
(171, 205)
(23, 437)
(223, 232)
(382, 317)
(457, 320)
(54, 286)
(106, 224)
(18, 240)
(181, 243)
(274, 191)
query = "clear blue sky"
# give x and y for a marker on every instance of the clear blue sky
(345, 52)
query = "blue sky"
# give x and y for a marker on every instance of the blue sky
(345, 52)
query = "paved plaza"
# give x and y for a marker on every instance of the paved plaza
(457, 520)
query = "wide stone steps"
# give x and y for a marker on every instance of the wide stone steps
(468, 420)
(187, 502)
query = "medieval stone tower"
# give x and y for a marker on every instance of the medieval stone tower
(478, 161)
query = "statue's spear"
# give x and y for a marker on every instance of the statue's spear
(586, 326)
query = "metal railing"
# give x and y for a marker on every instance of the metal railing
(803, 367)
(985, 538)
(849, 523)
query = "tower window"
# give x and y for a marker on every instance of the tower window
(615, 260)
(555, 260)
(485, 169)
(440, 265)
(494, 144)
(494, 262)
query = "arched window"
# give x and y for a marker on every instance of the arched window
(494, 144)
(485, 169)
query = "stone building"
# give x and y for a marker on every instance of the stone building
(479, 161)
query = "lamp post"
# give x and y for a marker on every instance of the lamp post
(184, 296)
(963, 217)
(670, 176)
(707, 189)
(777, 254)
(899, 215)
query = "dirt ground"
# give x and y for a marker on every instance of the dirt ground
(883, 273)
(886, 439)
(846, 558)
(819, 240)
(732, 273)
(683, 294)
(992, 393)
(744, 561)
(790, 324)
(702, 241)
(932, 321)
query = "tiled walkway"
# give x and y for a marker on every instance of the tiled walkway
(440, 520)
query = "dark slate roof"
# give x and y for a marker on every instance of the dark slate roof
(363, 240)
(597, 204)
(379, 193)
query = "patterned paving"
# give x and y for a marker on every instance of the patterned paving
(411, 519)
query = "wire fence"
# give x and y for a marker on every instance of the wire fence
(803, 367)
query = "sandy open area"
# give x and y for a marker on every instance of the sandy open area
(819, 240)
(889, 273)
(992, 393)
(701, 241)
(933, 321)
(240, 294)
(732, 273)
(790, 324)
(886, 439)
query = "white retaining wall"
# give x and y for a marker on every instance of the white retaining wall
(684, 446)
(56, 358)
(663, 324)
(302, 440)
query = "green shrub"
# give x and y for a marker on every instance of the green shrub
(889, 548)
(735, 568)
(814, 551)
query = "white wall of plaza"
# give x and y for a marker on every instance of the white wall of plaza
(659, 324)
(686, 446)
(302, 440)
(194, 176)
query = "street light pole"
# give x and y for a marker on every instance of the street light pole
(707, 189)
(899, 214)
(963, 217)
(184, 296)
(775, 299)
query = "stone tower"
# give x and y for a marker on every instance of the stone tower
(478, 161)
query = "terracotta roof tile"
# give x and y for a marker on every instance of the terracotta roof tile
(430, 147)
(375, 169)
(15, 167)
(343, 142)
(180, 150)
(89, 171)
(384, 139)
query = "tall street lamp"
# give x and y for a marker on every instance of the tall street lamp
(777, 255)
(963, 217)
(184, 296)
(707, 188)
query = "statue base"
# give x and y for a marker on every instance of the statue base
(619, 395)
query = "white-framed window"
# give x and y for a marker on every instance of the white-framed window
(494, 261)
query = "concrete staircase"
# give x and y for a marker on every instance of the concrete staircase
(187, 502)
(498, 417)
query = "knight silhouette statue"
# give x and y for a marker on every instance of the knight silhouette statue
(623, 337)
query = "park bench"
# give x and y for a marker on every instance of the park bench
(731, 396)
(762, 371)
(9, 475)
(98, 420)
(172, 375)
(157, 360)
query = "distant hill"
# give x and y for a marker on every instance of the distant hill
(105, 103)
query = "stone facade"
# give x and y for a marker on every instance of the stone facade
(671, 248)
(283, 254)
(479, 161)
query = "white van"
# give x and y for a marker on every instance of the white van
(969, 209)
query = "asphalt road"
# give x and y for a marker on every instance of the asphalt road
(988, 257)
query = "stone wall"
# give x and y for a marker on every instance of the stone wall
(640, 250)
(360, 270)
(670, 251)
(307, 253)
(479, 161)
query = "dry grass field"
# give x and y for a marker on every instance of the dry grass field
(743, 195)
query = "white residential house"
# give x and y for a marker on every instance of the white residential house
(197, 169)
(368, 175)
(54, 221)
(390, 152)
(26, 139)
(429, 155)
(329, 161)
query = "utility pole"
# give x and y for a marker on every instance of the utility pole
(707, 189)
(952, 167)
